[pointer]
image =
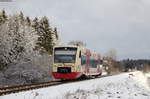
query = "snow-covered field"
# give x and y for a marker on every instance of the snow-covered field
(124, 86)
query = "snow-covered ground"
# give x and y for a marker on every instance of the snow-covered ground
(124, 86)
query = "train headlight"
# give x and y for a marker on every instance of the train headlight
(54, 69)
(72, 69)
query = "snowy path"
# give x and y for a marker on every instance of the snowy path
(124, 86)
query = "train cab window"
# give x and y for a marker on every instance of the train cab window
(65, 55)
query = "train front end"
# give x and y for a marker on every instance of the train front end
(66, 63)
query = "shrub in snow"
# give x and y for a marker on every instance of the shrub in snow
(25, 73)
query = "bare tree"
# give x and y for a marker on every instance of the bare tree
(77, 43)
(110, 61)
(146, 68)
(112, 53)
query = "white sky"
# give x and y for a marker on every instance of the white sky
(101, 24)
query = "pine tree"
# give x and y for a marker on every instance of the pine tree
(3, 17)
(18, 38)
(35, 24)
(28, 21)
(56, 33)
(45, 40)
(21, 17)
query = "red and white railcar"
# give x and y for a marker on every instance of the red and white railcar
(72, 62)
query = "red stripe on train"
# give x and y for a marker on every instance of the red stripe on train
(72, 75)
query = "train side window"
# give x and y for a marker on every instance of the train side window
(83, 59)
(93, 62)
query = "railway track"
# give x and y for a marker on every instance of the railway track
(18, 88)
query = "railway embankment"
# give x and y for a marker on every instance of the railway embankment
(133, 85)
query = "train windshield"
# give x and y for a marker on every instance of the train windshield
(65, 55)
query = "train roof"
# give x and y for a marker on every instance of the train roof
(65, 46)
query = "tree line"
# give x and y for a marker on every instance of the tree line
(22, 38)
(112, 65)
(136, 64)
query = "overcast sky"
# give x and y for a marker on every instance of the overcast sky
(101, 24)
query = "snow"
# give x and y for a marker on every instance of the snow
(133, 85)
(148, 75)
